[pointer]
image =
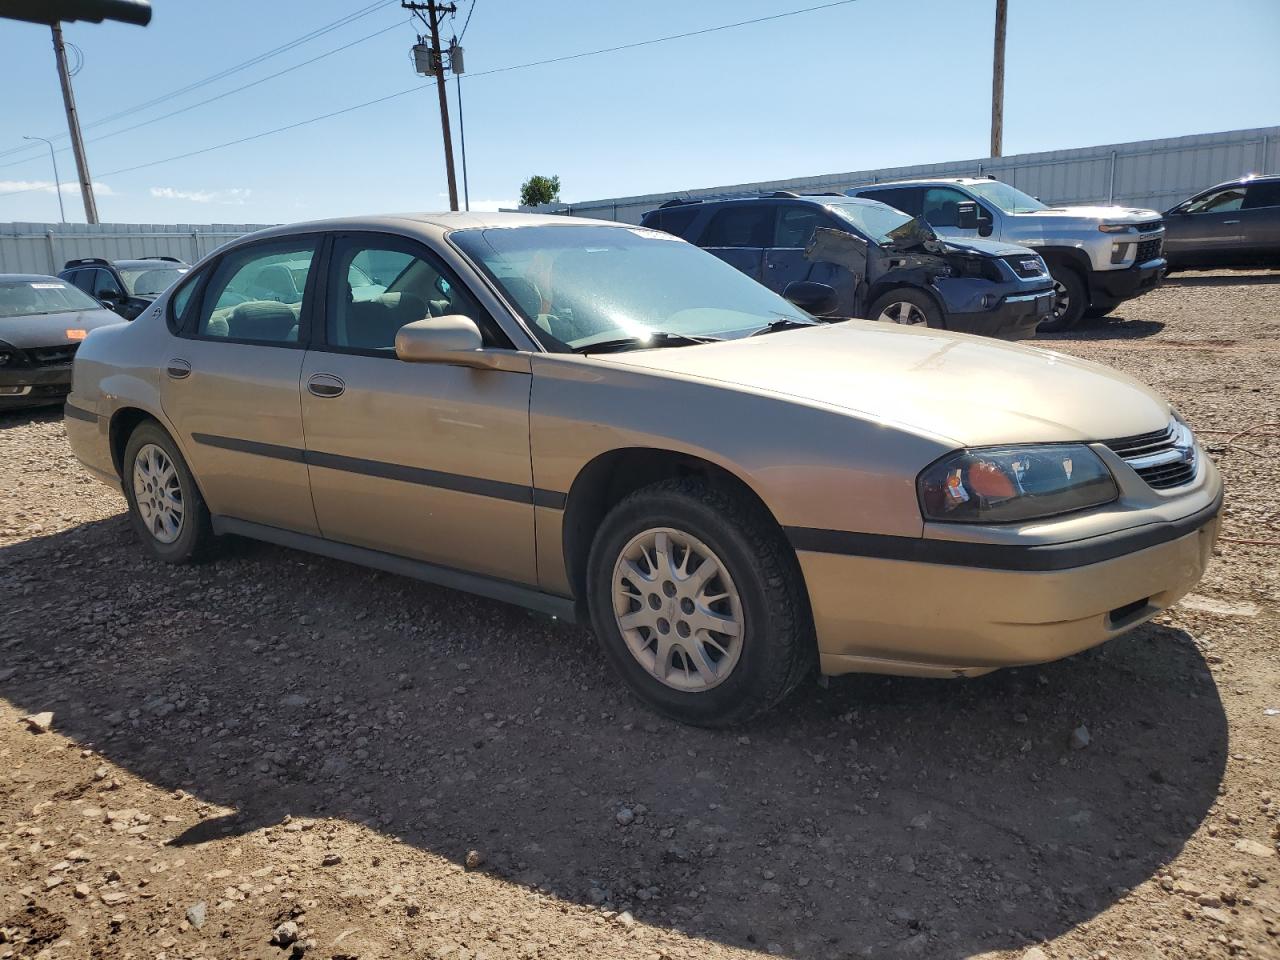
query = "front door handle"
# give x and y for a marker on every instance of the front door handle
(178, 369)
(325, 385)
(1230, 221)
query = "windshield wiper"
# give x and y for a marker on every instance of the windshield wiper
(657, 338)
(782, 323)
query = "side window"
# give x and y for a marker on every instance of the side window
(181, 303)
(255, 293)
(82, 279)
(376, 286)
(906, 199)
(105, 283)
(676, 220)
(942, 206)
(740, 225)
(1220, 201)
(1266, 194)
(796, 225)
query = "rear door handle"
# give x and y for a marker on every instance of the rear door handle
(325, 385)
(178, 369)
(1230, 221)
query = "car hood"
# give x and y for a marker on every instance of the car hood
(50, 329)
(966, 390)
(986, 248)
(1110, 214)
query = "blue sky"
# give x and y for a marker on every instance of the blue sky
(865, 84)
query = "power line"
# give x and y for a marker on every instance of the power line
(253, 61)
(467, 22)
(518, 66)
(201, 103)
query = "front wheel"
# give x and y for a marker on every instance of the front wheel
(1070, 300)
(697, 601)
(908, 307)
(166, 509)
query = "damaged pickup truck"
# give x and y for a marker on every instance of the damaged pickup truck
(881, 263)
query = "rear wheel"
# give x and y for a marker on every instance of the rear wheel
(908, 307)
(697, 601)
(165, 507)
(1072, 297)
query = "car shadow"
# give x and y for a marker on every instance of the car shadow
(939, 818)
(1219, 280)
(1111, 327)
(23, 416)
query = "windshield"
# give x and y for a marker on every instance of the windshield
(875, 220)
(26, 298)
(582, 285)
(1007, 198)
(150, 281)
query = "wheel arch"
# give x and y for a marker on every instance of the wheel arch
(1072, 257)
(608, 478)
(124, 421)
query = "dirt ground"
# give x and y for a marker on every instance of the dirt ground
(270, 746)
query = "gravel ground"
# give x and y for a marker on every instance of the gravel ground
(271, 755)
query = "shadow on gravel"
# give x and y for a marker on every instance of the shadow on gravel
(1221, 280)
(879, 816)
(1106, 328)
(22, 416)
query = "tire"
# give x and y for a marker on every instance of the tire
(1100, 307)
(153, 464)
(921, 309)
(1072, 300)
(745, 675)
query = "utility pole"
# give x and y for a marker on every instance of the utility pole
(997, 80)
(57, 181)
(73, 124)
(436, 67)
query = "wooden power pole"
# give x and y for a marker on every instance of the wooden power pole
(432, 20)
(997, 80)
(73, 124)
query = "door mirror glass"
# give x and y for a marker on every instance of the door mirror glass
(818, 299)
(453, 339)
(967, 215)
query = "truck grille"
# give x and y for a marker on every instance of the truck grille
(1150, 226)
(53, 356)
(1164, 458)
(1025, 265)
(1148, 250)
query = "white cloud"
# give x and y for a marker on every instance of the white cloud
(233, 196)
(47, 186)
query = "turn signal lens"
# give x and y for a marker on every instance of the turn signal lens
(1009, 484)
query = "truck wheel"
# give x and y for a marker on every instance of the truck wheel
(698, 603)
(908, 307)
(1070, 303)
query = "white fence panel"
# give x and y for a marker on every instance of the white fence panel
(46, 247)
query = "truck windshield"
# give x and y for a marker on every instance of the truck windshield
(874, 220)
(1007, 198)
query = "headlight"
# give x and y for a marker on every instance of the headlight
(1008, 484)
(1116, 228)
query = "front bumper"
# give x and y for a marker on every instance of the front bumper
(1128, 283)
(912, 618)
(30, 387)
(1014, 318)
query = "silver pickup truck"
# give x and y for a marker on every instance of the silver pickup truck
(1098, 256)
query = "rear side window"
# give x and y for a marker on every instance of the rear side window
(906, 199)
(740, 225)
(1262, 195)
(796, 225)
(674, 220)
(256, 293)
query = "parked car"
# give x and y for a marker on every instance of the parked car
(1235, 224)
(1099, 256)
(883, 264)
(42, 322)
(126, 286)
(604, 422)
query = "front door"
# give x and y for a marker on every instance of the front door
(1206, 230)
(230, 383)
(788, 258)
(427, 461)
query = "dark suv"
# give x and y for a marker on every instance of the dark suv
(882, 263)
(1235, 224)
(126, 286)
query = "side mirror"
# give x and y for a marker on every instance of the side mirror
(453, 340)
(967, 215)
(818, 299)
(110, 296)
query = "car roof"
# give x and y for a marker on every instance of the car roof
(1241, 181)
(28, 277)
(820, 198)
(966, 181)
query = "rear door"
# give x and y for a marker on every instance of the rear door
(738, 234)
(230, 386)
(1260, 223)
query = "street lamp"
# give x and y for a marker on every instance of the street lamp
(57, 183)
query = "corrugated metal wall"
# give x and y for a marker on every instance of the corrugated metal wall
(1145, 173)
(46, 247)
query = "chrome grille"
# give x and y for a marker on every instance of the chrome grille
(1150, 226)
(1148, 250)
(1164, 458)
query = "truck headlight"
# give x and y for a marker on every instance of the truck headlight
(1009, 484)
(1116, 228)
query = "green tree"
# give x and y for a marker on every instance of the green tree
(538, 189)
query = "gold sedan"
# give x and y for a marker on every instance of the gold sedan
(603, 422)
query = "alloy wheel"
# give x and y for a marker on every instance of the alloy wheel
(1061, 301)
(678, 609)
(903, 312)
(158, 493)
